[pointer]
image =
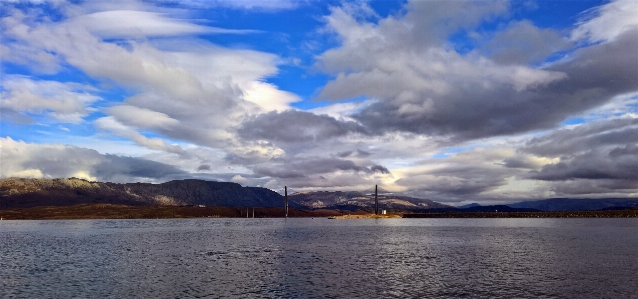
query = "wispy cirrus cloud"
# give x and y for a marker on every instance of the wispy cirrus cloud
(142, 24)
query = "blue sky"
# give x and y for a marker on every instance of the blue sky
(463, 101)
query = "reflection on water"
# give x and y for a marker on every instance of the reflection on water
(320, 258)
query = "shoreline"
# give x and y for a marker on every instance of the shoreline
(112, 211)
(367, 216)
(566, 214)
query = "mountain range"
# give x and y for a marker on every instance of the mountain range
(25, 193)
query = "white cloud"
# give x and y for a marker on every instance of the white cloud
(141, 117)
(65, 102)
(607, 22)
(191, 91)
(272, 185)
(27, 173)
(341, 110)
(428, 115)
(110, 124)
(139, 24)
(21, 159)
(262, 5)
(268, 97)
(239, 179)
(37, 59)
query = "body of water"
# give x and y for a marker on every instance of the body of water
(320, 258)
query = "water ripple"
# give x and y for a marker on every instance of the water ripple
(319, 258)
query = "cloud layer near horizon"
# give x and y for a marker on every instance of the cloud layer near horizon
(402, 105)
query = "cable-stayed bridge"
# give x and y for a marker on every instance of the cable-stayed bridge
(369, 191)
(376, 190)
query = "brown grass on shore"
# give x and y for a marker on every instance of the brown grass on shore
(111, 211)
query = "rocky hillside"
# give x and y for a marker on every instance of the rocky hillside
(24, 193)
(354, 200)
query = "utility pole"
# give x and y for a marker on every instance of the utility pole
(376, 200)
(286, 201)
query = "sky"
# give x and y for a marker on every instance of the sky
(454, 101)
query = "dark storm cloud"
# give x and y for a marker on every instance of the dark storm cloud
(116, 167)
(292, 126)
(456, 180)
(344, 154)
(305, 167)
(594, 187)
(627, 150)
(379, 169)
(475, 179)
(517, 163)
(614, 132)
(362, 153)
(358, 153)
(594, 76)
(523, 43)
(203, 167)
(599, 157)
(622, 164)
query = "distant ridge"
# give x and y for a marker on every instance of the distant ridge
(476, 208)
(469, 206)
(496, 208)
(574, 204)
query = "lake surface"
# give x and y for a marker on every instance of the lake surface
(320, 258)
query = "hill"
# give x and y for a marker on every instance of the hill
(25, 193)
